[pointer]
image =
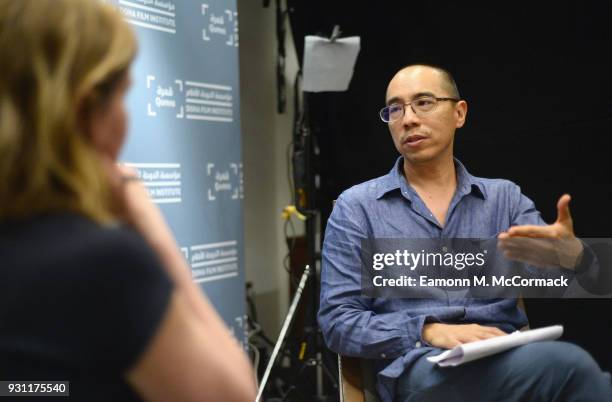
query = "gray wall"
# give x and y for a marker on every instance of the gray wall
(265, 136)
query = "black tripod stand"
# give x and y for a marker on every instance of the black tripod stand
(310, 378)
(313, 376)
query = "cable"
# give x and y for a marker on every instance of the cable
(288, 160)
(281, 91)
(256, 356)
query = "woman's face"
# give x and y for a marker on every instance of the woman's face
(108, 124)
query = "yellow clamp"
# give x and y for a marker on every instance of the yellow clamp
(291, 210)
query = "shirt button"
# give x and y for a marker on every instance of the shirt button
(383, 356)
(417, 344)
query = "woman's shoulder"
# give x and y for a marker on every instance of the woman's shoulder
(64, 241)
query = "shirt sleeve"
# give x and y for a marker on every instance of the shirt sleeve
(522, 210)
(349, 324)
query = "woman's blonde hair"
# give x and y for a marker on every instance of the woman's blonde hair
(59, 60)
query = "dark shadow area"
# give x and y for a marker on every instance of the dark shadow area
(538, 85)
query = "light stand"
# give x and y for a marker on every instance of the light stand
(312, 347)
(283, 332)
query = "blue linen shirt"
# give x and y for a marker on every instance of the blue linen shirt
(389, 329)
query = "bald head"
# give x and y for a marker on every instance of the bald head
(445, 79)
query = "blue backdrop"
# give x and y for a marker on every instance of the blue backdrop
(184, 136)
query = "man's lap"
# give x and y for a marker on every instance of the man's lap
(541, 371)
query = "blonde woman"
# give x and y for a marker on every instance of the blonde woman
(93, 289)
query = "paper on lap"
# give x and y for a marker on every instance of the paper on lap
(468, 352)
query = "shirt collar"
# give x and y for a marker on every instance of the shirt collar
(394, 180)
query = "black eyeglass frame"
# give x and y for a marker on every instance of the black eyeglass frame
(438, 99)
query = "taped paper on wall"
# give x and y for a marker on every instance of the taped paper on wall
(328, 65)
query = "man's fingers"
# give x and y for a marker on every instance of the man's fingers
(479, 332)
(451, 343)
(479, 336)
(528, 243)
(487, 335)
(495, 331)
(492, 331)
(472, 337)
(521, 257)
(538, 261)
(543, 250)
(531, 231)
(563, 212)
(466, 333)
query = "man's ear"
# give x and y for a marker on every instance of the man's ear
(461, 109)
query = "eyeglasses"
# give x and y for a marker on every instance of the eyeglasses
(420, 106)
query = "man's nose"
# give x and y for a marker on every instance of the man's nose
(410, 117)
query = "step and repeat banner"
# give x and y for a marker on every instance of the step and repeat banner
(184, 137)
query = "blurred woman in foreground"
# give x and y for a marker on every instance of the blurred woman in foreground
(93, 288)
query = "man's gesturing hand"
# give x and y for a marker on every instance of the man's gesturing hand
(447, 336)
(544, 246)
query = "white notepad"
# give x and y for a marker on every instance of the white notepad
(476, 350)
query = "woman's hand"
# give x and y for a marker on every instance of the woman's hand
(132, 202)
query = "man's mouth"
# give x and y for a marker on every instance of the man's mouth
(415, 139)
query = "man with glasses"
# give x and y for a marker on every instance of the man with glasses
(430, 194)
